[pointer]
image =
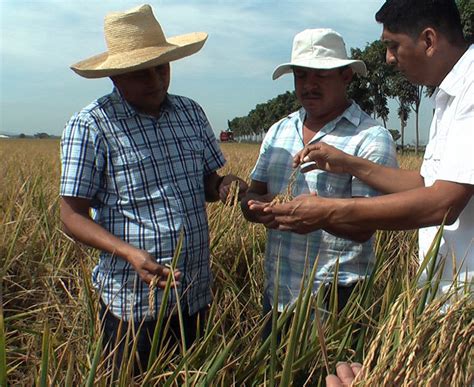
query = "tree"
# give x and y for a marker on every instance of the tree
(359, 91)
(42, 135)
(409, 98)
(239, 126)
(415, 106)
(372, 92)
(406, 94)
(395, 134)
(403, 112)
(466, 11)
(260, 118)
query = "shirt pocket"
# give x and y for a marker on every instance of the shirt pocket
(192, 153)
(132, 172)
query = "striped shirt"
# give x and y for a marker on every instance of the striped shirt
(144, 177)
(355, 133)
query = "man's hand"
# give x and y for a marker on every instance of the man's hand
(225, 187)
(147, 268)
(346, 374)
(304, 214)
(257, 208)
(322, 156)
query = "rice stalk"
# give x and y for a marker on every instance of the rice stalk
(95, 363)
(3, 344)
(164, 303)
(216, 365)
(69, 379)
(274, 333)
(46, 277)
(43, 381)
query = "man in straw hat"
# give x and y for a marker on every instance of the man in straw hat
(144, 162)
(321, 73)
(425, 41)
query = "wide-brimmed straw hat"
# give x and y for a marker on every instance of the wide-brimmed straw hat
(136, 41)
(320, 48)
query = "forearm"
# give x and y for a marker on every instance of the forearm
(78, 224)
(83, 229)
(211, 187)
(359, 233)
(411, 209)
(383, 179)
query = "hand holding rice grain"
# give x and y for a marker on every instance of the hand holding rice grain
(287, 196)
(159, 281)
(232, 188)
(283, 197)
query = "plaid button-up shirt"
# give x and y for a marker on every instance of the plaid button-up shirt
(355, 133)
(144, 177)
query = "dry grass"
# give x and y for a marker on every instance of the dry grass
(48, 325)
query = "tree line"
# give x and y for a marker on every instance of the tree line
(372, 92)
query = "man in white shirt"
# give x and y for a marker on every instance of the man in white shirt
(425, 42)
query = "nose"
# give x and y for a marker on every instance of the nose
(311, 82)
(156, 75)
(390, 58)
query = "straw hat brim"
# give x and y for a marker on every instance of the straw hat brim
(321, 64)
(105, 65)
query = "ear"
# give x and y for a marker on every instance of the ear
(347, 75)
(430, 39)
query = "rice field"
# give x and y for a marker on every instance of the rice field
(49, 332)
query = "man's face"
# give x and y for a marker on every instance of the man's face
(322, 92)
(407, 55)
(145, 89)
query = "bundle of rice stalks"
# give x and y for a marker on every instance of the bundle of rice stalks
(430, 349)
(287, 194)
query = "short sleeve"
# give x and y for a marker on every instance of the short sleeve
(379, 148)
(213, 157)
(82, 159)
(260, 170)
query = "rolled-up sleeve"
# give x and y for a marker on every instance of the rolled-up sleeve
(213, 157)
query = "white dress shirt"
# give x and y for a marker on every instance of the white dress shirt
(449, 156)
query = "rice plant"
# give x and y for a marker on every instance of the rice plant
(49, 330)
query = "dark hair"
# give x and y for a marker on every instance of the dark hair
(413, 16)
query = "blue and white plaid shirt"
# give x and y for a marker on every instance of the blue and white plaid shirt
(144, 177)
(355, 133)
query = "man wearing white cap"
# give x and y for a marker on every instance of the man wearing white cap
(138, 166)
(321, 73)
(425, 42)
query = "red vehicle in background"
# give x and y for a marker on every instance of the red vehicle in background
(226, 136)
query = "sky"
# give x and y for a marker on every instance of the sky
(40, 39)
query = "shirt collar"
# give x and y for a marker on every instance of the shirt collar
(453, 82)
(351, 114)
(123, 110)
